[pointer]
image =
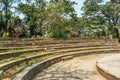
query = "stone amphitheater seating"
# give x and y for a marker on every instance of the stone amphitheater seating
(28, 57)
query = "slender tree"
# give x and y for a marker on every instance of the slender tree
(34, 15)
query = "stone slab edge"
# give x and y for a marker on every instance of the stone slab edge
(106, 74)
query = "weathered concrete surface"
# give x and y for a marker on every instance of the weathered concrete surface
(80, 68)
(109, 67)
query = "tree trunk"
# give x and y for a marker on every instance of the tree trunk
(119, 34)
(31, 31)
(116, 33)
(6, 16)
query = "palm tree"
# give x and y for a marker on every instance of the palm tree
(6, 6)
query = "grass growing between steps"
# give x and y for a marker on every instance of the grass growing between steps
(24, 55)
(52, 51)
(15, 50)
(12, 72)
(10, 50)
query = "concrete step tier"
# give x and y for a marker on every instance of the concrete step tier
(109, 67)
(39, 42)
(30, 72)
(53, 48)
(74, 54)
(56, 50)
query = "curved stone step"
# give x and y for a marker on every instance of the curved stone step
(42, 48)
(17, 53)
(13, 48)
(22, 41)
(22, 44)
(59, 52)
(109, 67)
(17, 62)
(73, 47)
(79, 68)
(30, 72)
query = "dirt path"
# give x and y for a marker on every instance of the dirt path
(80, 68)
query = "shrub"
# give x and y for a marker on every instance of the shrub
(5, 35)
(57, 34)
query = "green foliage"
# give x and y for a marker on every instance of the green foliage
(105, 14)
(5, 35)
(58, 35)
(41, 17)
(58, 19)
(34, 15)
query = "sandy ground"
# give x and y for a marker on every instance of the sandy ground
(80, 68)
